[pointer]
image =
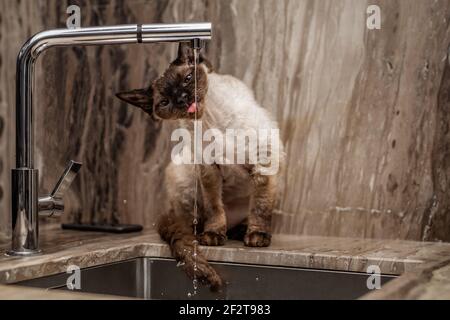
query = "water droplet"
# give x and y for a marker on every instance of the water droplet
(189, 294)
(195, 221)
(257, 278)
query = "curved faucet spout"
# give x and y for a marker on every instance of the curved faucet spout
(120, 34)
(24, 178)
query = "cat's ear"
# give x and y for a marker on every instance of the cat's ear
(141, 98)
(185, 53)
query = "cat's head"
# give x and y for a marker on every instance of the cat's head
(172, 95)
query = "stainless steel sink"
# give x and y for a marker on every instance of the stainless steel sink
(156, 278)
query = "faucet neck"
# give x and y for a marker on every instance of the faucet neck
(120, 34)
(25, 205)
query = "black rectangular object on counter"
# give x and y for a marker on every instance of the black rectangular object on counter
(117, 228)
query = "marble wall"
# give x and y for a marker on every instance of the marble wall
(364, 113)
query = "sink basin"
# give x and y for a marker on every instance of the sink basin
(157, 278)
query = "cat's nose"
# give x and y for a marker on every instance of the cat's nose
(182, 98)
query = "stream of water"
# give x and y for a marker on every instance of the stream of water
(195, 220)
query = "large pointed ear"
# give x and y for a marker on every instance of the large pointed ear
(141, 98)
(185, 53)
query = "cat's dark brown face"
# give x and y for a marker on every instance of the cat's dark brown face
(172, 96)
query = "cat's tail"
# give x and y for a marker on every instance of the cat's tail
(176, 231)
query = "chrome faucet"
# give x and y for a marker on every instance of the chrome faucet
(26, 205)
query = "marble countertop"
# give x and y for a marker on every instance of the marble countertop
(21, 293)
(424, 266)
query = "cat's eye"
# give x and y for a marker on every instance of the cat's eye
(188, 78)
(164, 103)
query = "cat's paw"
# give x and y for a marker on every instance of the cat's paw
(201, 270)
(210, 238)
(257, 239)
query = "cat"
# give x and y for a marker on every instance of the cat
(234, 200)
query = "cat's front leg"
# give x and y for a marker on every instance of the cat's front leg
(262, 204)
(215, 221)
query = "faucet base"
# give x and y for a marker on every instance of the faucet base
(25, 233)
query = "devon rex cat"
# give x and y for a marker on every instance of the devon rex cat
(230, 197)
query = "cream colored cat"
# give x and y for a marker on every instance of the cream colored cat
(230, 197)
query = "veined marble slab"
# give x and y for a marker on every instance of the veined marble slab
(21, 293)
(363, 113)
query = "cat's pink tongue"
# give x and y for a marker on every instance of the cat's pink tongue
(192, 108)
